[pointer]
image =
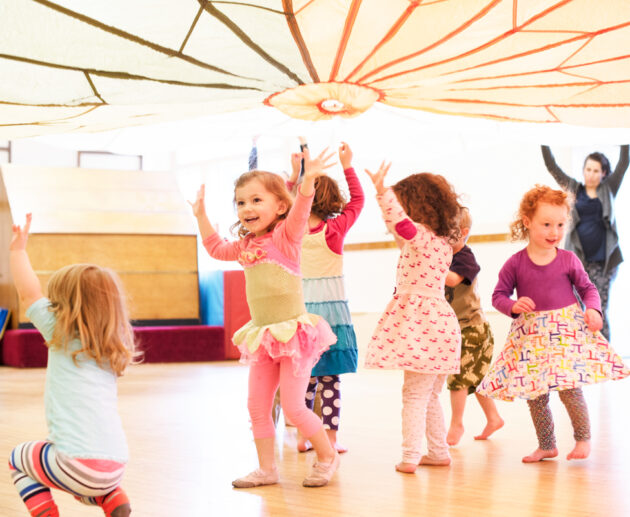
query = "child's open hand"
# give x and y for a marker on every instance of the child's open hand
(378, 179)
(198, 206)
(593, 320)
(20, 234)
(313, 167)
(523, 304)
(345, 156)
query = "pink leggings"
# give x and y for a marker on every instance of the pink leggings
(264, 377)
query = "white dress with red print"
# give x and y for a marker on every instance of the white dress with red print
(418, 330)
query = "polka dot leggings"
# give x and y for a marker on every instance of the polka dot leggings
(331, 399)
(575, 404)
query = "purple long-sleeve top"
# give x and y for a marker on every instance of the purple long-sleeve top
(549, 286)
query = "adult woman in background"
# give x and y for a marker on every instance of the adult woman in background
(592, 233)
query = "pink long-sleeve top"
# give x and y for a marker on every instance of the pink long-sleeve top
(281, 246)
(338, 227)
(549, 286)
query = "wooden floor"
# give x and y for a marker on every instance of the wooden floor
(189, 436)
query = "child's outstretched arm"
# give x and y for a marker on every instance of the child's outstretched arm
(199, 211)
(378, 178)
(396, 219)
(26, 282)
(357, 199)
(338, 227)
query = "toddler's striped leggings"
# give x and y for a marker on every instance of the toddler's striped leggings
(36, 467)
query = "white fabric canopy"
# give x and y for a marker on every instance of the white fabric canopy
(88, 65)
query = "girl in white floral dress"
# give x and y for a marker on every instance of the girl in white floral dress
(419, 332)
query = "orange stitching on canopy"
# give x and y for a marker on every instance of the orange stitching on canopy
(546, 70)
(450, 35)
(465, 54)
(390, 34)
(303, 7)
(347, 29)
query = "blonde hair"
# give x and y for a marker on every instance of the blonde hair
(273, 184)
(529, 205)
(89, 305)
(465, 219)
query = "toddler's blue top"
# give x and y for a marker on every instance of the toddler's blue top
(81, 399)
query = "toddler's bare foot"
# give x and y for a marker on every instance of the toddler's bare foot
(124, 510)
(455, 433)
(407, 468)
(490, 428)
(340, 448)
(433, 462)
(580, 451)
(540, 454)
(304, 445)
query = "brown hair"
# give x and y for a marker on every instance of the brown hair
(273, 184)
(529, 205)
(430, 200)
(89, 305)
(328, 198)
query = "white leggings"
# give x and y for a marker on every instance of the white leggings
(422, 413)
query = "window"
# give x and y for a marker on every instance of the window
(106, 160)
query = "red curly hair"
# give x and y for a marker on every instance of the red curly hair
(529, 205)
(430, 200)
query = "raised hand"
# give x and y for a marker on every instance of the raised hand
(345, 156)
(313, 167)
(198, 206)
(20, 234)
(593, 320)
(378, 178)
(523, 304)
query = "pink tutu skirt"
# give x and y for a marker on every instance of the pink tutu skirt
(303, 339)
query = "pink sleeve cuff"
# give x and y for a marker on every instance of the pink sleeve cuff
(406, 229)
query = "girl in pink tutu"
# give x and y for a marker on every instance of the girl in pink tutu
(419, 332)
(282, 342)
(552, 345)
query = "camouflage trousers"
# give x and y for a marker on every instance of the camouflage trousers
(477, 347)
(602, 281)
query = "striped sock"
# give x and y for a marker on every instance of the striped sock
(113, 500)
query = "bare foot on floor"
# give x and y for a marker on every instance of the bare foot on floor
(539, 455)
(490, 428)
(580, 451)
(304, 445)
(124, 510)
(340, 448)
(432, 462)
(406, 468)
(455, 433)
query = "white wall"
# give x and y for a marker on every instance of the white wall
(490, 170)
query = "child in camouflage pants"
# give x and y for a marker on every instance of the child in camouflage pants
(477, 339)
